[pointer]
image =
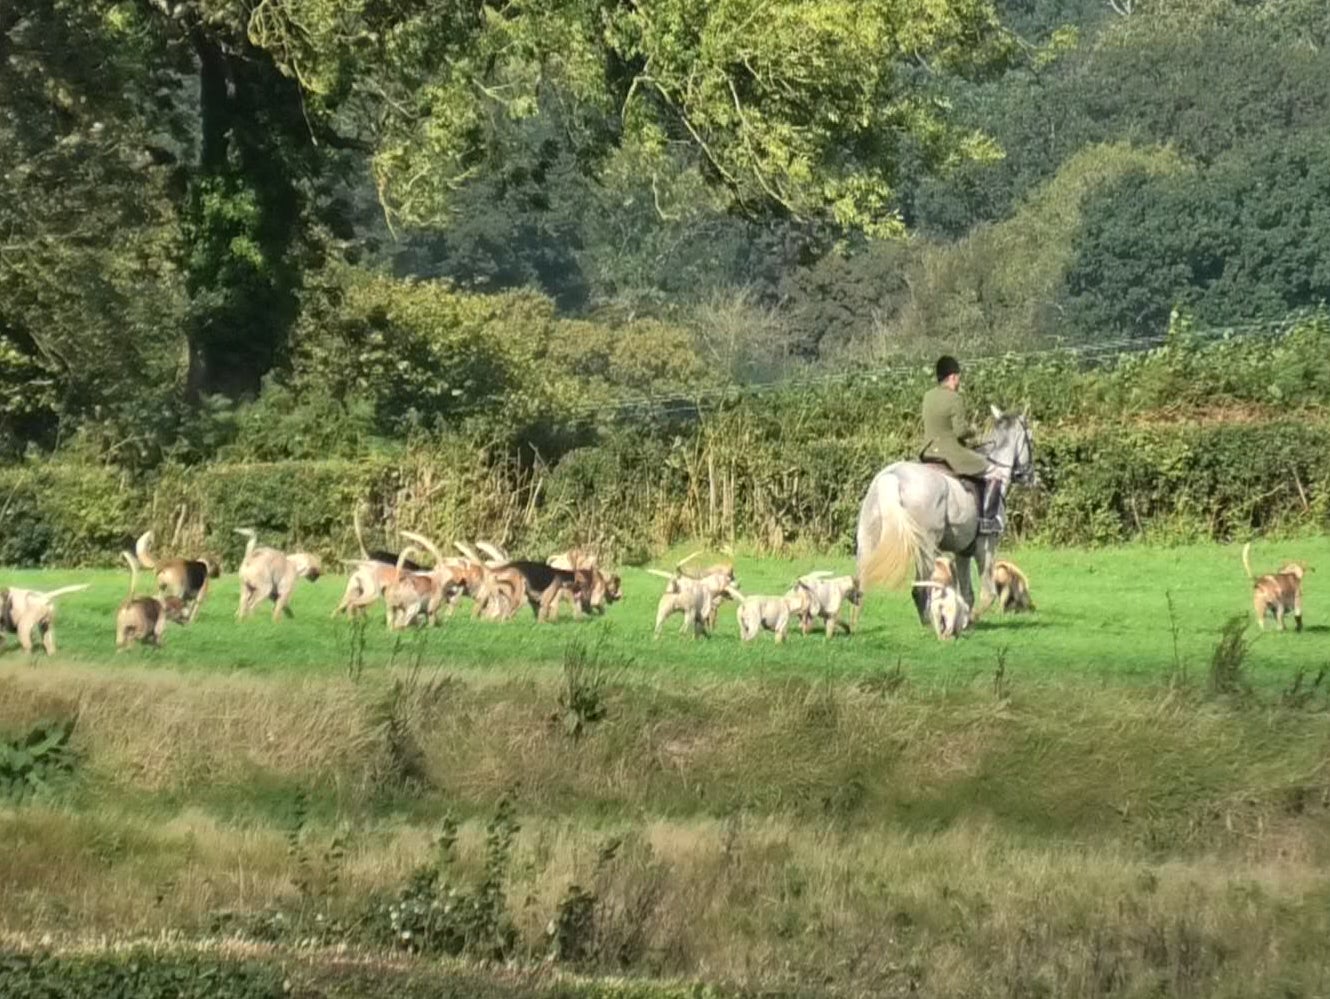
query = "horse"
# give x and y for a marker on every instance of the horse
(914, 509)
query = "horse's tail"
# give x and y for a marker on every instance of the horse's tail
(1246, 560)
(892, 546)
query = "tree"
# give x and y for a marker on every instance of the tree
(790, 106)
(91, 298)
(1247, 239)
(1000, 287)
(1205, 76)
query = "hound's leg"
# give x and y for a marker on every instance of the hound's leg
(25, 626)
(987, 556)
(198, 600)
(662, 612)
(549, 605)
(922, 598)
(350, 593)
(282, 602)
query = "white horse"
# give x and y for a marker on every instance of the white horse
(913, 510)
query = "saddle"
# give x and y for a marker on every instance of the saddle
(991, 520)
(974, 485)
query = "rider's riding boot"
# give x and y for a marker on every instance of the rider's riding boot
(990, 507)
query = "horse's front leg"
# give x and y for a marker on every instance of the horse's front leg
(986, 555)
(920, 595)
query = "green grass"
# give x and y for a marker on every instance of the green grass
(1103, 615)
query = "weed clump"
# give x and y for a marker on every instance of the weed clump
(437, 914)
(583, 698)
(1228, 661)
(33, 762)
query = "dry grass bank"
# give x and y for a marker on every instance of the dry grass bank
(866, 838)
(756, 903)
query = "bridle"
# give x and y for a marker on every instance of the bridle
(1022, 468)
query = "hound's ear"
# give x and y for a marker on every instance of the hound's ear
(997, 413)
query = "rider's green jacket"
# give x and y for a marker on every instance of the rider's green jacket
(946, 431)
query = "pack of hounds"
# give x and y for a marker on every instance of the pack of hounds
(498, 586)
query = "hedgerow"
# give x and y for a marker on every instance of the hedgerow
(1190, 441)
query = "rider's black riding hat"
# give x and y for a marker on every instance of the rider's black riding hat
(947, 366)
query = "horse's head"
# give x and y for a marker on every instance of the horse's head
(1013, 445)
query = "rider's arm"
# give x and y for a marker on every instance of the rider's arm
(960, 425)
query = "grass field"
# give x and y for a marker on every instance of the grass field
(1103, 615)
(796, 820)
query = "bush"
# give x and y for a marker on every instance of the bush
(737, 478)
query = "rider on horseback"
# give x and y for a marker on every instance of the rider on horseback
(947, 431)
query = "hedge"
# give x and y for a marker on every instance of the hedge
(144, 973)
(734, 478)
(135, 975)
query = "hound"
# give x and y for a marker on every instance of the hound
(1276, 593)
(184, 579)
(365, 585)
(697, 598)
(773, 613)
(1013, 589)
(716, 578)
(413, 594)
(542, 584)
(24, 611)
(829, 594)
(408, 596)
(143, 619)
(606, 589)
(370, 575)
(572, 559)
(496, 596)
(947, 609)
(268, 574)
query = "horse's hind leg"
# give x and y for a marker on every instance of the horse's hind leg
(920, 597)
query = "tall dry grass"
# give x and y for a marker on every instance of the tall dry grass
(755, 902)
(1094, 766)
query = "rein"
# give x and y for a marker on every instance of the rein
(1026, 444)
